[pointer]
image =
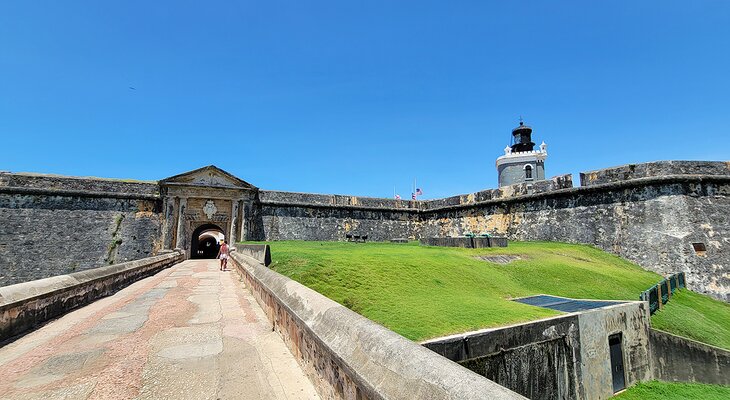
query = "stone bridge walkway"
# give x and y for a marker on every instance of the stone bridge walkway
(189, 332)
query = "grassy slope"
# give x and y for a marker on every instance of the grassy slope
(674, 391)
(695, 316)
(423, 292)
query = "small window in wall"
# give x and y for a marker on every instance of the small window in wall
(528, 171)
(700, 248)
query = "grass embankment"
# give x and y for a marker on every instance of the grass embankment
(423, 292)
(656, 390)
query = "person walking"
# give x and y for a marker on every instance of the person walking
(223, 255)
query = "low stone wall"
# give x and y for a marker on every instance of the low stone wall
(87, 185)
(26, 305)
(259, 252)
(675, 358)
(335, 200)
(323, 222)
(467, 242)
(654, 169)
(348, 356)
(506, 192)
(565, 357)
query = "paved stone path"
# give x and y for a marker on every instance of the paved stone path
(189, 332)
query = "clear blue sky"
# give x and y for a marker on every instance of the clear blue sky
(354, 97)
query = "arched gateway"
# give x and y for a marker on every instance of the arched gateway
(205, 241)
(200, 206)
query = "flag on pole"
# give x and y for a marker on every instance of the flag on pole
(413, 196)
(397, 197)
(419, 192)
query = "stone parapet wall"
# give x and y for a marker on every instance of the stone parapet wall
(348, 356)
(24, 183)
(26, 305)
(305, 222)
(654, 169)
(678, 359)
(332, 200)
(506, 192)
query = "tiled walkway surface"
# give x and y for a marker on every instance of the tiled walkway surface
(189, 332)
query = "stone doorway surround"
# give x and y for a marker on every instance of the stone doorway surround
(207, 195)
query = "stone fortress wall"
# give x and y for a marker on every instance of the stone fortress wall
(53, 225)
(649, 213)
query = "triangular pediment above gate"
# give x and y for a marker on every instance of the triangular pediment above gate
(210, 176)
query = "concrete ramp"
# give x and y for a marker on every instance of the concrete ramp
(188, 332)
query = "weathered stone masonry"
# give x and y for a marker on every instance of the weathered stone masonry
(649, 213)
(58, 225)
(653, 220)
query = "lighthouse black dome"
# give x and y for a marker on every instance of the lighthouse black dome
(522, 138)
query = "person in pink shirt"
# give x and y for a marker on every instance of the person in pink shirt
(223, 255)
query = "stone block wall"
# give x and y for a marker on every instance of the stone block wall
(310, 199)
(565, 357)
(679, 359)
(47, 183)
(654, 169)
(317, 222)
(73, 225)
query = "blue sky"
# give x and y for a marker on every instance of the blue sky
(356, 97)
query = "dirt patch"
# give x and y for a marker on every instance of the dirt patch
(502, 259)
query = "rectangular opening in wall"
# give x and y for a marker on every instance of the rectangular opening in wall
(700, 248)
(617, 362)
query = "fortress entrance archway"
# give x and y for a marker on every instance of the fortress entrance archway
(205, 241)
(202, 207)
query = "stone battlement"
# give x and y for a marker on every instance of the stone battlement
(30, 182)
(332, 200)
(654, 169)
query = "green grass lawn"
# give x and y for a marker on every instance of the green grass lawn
(424, 292)
(656, 390)
(695, 316)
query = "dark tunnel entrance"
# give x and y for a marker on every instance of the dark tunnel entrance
(206, 241)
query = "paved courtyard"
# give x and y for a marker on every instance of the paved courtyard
(189, 332)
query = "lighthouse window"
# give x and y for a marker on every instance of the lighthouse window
(528, 172)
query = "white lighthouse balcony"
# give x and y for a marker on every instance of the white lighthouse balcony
(520, 156)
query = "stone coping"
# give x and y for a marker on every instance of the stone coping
(27, 304)
(378, 362)
(259, 252)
